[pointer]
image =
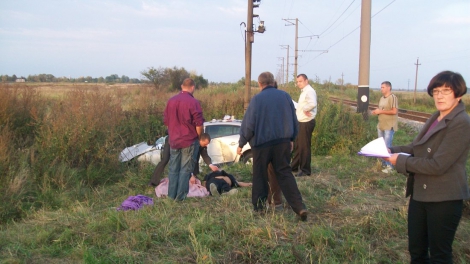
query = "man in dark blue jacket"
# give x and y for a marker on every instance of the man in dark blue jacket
(270, 126)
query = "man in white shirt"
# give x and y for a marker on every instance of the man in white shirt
(306, 112)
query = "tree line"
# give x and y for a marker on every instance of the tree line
(113, 78)
(170, 79)
(167, 79)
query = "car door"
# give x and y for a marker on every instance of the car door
(224, 143)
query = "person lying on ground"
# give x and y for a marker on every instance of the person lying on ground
(221, 183)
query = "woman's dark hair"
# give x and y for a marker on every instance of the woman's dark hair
(449, 79)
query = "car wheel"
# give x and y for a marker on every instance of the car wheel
(247, 158)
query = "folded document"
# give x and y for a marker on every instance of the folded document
(375, 148)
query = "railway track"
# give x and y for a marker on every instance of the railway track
(403, 113)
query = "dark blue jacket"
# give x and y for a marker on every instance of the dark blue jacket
(269, 120)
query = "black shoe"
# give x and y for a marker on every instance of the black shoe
(152, 184)
(303, 215)
(300, 174)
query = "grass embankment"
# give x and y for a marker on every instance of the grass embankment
(61, 184)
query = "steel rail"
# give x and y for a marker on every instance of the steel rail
(403, 113)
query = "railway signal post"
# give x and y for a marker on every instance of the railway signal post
(364, 60)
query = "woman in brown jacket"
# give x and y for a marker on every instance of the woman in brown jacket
(437, 180)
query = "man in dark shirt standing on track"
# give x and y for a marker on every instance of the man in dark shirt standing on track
(184, 119)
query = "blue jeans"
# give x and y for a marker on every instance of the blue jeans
(182, 162)
(388, 137)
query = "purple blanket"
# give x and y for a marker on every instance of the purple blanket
(135, 202)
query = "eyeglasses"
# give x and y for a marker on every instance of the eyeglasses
(445, 91)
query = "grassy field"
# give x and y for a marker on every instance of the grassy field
(61, 185)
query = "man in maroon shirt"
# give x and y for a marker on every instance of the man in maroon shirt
(184, 119)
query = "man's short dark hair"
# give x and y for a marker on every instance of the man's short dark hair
(188, 82)
(205, 136)
(266, 79)
(388, 84)
(303, 75)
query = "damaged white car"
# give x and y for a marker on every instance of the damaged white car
(222, 149)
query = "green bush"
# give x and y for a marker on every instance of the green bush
(338, 130)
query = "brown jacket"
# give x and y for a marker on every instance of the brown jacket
(436, 166)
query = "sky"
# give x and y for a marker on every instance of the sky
(75, 38)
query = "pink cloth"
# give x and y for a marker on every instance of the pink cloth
(195, 190)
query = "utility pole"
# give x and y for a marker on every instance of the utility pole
(364, 60)
(296, 56)
(296, 46)
(282, 70)
(416, 80)
(296, 41)
(287, 63)
(342, 81)
(249, 39)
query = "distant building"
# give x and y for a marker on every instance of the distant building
(20, 80)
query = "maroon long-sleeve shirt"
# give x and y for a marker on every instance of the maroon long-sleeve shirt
(183, 113)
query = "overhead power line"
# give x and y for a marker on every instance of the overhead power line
(339, 24)
(349, 33)
(338, 17)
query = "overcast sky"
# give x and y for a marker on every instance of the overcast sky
(99, 38)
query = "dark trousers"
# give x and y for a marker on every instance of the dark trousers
(431, 230)
(302, 148)
(279, 156)
(274, 193)
(222, 185)
(157, 173)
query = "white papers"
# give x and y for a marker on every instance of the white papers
(375, 148)
(295, 104)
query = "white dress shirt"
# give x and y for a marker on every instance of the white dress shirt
(307, 102)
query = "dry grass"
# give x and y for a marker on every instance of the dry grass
(65, 183)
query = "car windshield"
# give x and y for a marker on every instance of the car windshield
(216, 131)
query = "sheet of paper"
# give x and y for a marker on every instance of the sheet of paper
(295, 104)
(375, 148)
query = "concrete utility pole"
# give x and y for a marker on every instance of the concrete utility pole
(287, 63)
(296, 41)
(342, 81)
(416, 80)
(296, 56)
(249, 39)
(364, 60)
(282, 70)
(296, 46)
